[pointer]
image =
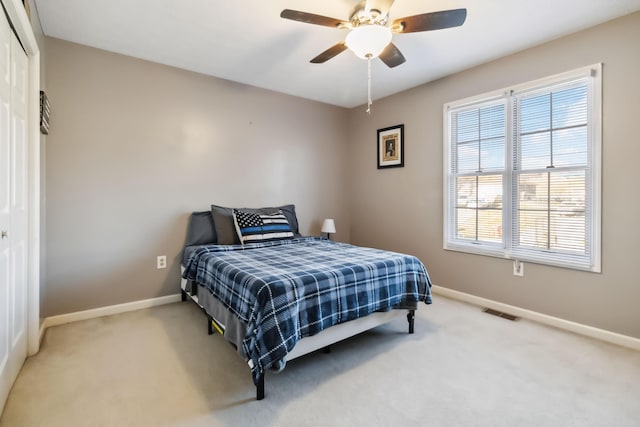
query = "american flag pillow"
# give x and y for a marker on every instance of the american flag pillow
(259, 227)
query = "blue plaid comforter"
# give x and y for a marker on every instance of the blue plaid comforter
(290, 289)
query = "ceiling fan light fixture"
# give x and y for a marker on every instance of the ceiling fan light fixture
(368, 41)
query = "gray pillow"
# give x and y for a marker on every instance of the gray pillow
(223, 223)
(226, 230)
(290, 212)
(201, 230)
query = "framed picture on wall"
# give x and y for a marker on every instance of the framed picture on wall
(391, 147)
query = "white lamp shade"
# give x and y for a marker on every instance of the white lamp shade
(328, 226)
(368, 40)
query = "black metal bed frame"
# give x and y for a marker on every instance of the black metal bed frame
(211, 324)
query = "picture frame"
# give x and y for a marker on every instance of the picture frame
(390, 146)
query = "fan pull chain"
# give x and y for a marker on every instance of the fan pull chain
(369, 102)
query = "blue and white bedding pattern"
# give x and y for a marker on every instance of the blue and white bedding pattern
(289, 289)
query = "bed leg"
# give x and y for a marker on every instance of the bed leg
(184, 295)
(260, 387)
(210, 324)
(411, 316)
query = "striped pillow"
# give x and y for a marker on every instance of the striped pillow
(254, 227)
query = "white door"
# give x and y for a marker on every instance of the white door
(13, 208)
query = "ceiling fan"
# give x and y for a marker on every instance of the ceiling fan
(371, 32)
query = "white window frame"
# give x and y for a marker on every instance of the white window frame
(592, 262)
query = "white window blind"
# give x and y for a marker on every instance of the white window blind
(479, 143)
(522, 172)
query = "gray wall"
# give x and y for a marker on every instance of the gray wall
(135, 146)
(402, 209)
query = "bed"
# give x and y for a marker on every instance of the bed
(275, 299)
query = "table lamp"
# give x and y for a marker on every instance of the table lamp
(329, 227)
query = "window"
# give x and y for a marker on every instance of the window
(522, 172)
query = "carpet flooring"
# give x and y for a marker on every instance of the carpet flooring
(462, 367)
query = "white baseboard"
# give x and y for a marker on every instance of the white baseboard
(578, 328)
(106, 311)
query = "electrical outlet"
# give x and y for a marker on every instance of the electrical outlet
(161, 262)
(518, 268)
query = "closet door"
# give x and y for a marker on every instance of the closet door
(13, 208)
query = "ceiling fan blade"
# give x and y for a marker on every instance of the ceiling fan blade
(430, 21)
(380, 5)
(329, 53)
(310, 18)
(392, 56)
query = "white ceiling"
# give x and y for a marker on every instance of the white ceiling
(246, 40)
